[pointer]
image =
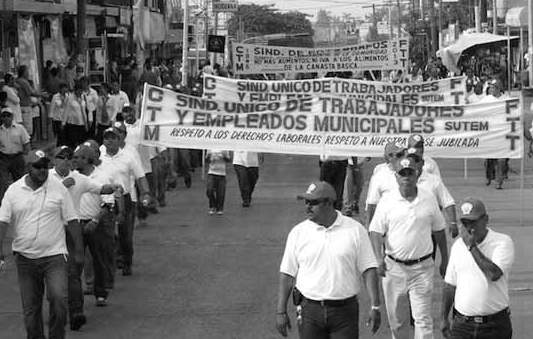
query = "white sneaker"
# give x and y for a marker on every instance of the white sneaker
(211, 211)
(220, 212)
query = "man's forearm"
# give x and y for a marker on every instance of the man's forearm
(371, 282)
(286, 283)
(448, 294)
(143, 185)
(490, 269)
(370, 210)
(440, 238)
(450, 215)
(3, 229)
(377, 244)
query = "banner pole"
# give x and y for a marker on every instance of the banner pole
(203, 163)
(465, 166)
(522, 165)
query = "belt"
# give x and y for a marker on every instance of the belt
(337, 302)
(411, 262)
(14, 155)
(482, 319)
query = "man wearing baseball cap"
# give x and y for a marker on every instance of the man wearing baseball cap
(403, 224)
(416, 141)
(38, 206)
(14, 143)
(383, 179)
(323, 259)
(477, 278)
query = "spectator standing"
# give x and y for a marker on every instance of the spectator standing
(57, 112)
(14, 143)
(75, 123)
(477, 279)
(38, 207)
(12, 99)
(149, 75)
(25, 93)
(216, 180)
(246, 166)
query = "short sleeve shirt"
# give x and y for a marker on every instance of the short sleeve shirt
(83, 184)
(123, 167)
(431, 166)
(13, 139)
(407, 225)
(328, 262)
(38, 217)
(382, 182)
(475, 294)
(246, 159)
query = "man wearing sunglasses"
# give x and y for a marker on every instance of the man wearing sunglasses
(38, 207)
(477, 277)
(383, 179)
(401, 237)
(323, 260)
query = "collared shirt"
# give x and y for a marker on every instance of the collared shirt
(475, 294)
(328, 262)
(433, 183)
(38, 217)
(75, 111)
(90, 203)
(92, 101)
(116, 103)
(383, 181)
(123, 167)
(430, 165)
(146, 153)
(407, 225)
(246, 159)
(83, 184)
(13, 139)
(57, 106)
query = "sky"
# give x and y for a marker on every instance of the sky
(311, 7)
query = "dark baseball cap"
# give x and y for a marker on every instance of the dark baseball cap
(37, 157)
(393, 148)
(415, 140)
(406, 162)
(319, 190)
(471, 209)
(63, 152)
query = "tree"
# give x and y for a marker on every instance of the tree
(257, 20)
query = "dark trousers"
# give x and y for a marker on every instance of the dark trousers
(102, 246)
(75, 289)
(216, 191)
(58, 132)
(12, 168)
(160, 173)
(74, 135)
(247, 177)
(125, 232)
(33, 276)
(99, 137)
(334, 173)
(329, 322)
(496, 169)
(500, 328)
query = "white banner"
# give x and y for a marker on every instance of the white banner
(450, 91)
(330, 125)
(378, 55)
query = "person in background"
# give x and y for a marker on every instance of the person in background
(38, 207)
(91, 96)
(477, 279)
(12, 99)
(75, 123)
(118, 99)
(129, 79)
(14, 144)
(113, 74)
(57, 112)
(149, 75)
(246, 166)
(104, 107)
(416, 141)
(25, 93)
(333, 171)
(216, 180)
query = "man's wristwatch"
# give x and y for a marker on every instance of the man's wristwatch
(376, 308)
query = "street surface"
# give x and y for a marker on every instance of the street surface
(201, 276)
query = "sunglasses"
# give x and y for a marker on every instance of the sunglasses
(40, 166)
(313, 202)
(406, 172)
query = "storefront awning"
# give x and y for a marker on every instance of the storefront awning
(516, 17)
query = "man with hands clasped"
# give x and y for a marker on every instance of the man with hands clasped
(324, 258)
(476, 282)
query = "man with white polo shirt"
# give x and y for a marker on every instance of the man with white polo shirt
(477, 279)
(402, 225)
(383, 178)
(38, 207)
(125, 169)
(322, 265)
(77, 184)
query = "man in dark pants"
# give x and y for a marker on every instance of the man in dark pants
(14, 143)
(477, 279)
(333, 171)
(324, 259)
(246, 166)
(37, 207)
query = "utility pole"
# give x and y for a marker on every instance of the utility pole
(81, 14)
(440, 25)
(434, 37)
(185, 48)
(530, 40)
(399, 18)
(494, 17)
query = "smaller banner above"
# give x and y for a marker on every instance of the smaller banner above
(449, 91)
(330, 125)
(378, 55)
(225, 6)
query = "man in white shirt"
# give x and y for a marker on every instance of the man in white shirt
(38, 207)
(402, 225)
(246, 166)
(477, 279)
(12, 100)
(116, 101)
(324, 259)
(126, 170)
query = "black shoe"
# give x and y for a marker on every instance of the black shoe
(162, 203)
(499, 187)
(126, 271)
(245, 204)
(188, 181)
(488, 182)
(77, 321)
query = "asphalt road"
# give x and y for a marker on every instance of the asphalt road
(201, 276)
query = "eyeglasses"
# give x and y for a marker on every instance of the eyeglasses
(313, 202)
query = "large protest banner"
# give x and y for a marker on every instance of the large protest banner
(330, 125)
(378, 55)
(449, 91)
